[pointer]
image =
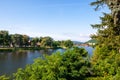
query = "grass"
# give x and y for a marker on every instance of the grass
(7, 49)
(23, 48)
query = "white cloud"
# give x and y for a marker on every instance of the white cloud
(57, 36)
(64, 36)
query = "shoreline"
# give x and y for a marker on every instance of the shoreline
(6, 49)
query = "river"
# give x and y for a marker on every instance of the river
(11, 61)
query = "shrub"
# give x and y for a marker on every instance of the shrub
(71, 65)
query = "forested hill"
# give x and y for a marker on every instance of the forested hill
(91, 41)
(77, 42)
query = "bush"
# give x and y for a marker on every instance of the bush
(71, 65)
(105, 62)
(4, 77)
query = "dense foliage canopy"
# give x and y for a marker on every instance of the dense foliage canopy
(105, 60)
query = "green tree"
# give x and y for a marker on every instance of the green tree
(106, 34)
(106, 55)
(114, 6)
(56, 44)
(3, 77)
(68, 43)
(17, 40)
(25, 40)
(34, 41)
(47, 42)
(4, 38)
(12, 40)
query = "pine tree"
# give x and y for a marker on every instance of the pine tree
(109, 29)
(105, 60)
(114, 6)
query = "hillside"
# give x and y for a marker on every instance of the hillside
(77, 42)
(91, 41)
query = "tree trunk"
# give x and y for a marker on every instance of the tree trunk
(114, 5)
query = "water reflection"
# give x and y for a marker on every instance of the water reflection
(11, 61)
(88, 49)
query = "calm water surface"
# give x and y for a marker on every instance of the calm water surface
(11, 61)
(88, 49)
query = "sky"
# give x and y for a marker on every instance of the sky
(59, 19)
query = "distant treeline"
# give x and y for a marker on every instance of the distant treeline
(20, 40)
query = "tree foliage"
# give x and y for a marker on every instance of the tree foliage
(70, 65)
(4, 38)
(68, 43)
(114, 6)
(3, 77)
(47, 42)
(105, 60)
(20, 40)
(107, 34)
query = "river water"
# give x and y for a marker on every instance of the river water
(11, 61)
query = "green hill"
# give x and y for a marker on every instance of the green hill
(91, 41)
(77, 42)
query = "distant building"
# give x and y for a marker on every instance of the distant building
(91, 43)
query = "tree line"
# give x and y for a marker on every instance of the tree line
(19, 40)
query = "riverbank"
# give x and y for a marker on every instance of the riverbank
(6, 49)
(11, 61)
(25, 48)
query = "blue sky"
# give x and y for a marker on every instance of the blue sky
(60, 19)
